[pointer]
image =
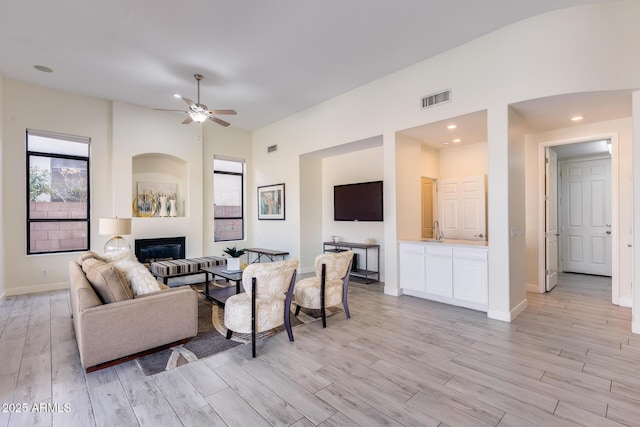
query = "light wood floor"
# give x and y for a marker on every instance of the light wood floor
(570, 359)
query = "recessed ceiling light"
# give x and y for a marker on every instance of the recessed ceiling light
(576, 118)
(445, 142)
(452, 126)
(177, 95)
(457, 140)
(43, 68)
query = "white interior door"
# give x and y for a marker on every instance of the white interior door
(462, 207)
(551, 216)
(586, 217)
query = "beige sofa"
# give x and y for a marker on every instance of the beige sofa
(109, 331)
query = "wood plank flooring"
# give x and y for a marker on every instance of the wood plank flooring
(569, 359)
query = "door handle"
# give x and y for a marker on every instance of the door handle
(608, 232)
(479, 235)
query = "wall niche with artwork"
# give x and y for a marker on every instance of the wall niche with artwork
(159, 183)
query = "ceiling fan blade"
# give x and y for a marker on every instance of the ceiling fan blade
(230, 112)
(219, 121)
(166, 109)
(187, 120)
(189, 102)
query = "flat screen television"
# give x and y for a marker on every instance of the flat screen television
(358, 202)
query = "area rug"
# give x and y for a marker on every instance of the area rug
(211, 338)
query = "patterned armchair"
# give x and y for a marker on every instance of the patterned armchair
(266, 302)
(328, 287)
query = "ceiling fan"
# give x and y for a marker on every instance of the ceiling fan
(198, 112)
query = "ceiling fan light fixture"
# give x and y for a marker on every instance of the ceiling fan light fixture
(199, 113)
(198, 116)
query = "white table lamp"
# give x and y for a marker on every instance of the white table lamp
(115, 227)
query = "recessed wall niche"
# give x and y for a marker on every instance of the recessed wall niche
(162, 179)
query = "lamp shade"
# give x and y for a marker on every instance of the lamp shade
(114, 226)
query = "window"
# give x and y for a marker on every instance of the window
(228, 199)
(57, 193)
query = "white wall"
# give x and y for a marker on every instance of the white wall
(489, 73)
(118, 132)
(466, 160)
(506, 66)
(635, 319)
(624, 131)
(234, 143)
(29, 106)
(4, 190)
(517, 214)
(311, 211)
(138, 131)
(408, 187)
(429, 162)
(354, 167)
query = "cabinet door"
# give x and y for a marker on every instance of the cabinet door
(470, 280)
(439, 275)
(412, 266)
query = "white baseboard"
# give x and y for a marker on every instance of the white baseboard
(445, 300)
(624, 302)
(499, 315)
(305, 270)
(534, 289)
(518, 309)
(508, 317)
(394, 292)
(35, 289)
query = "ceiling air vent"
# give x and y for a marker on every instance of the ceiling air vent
(436, 98)
(272, 148)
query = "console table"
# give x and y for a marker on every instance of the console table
(267, 253)
(361, 275)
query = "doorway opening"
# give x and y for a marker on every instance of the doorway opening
(578, 216)
(428, 189)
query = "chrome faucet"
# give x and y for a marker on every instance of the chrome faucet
(436, 230)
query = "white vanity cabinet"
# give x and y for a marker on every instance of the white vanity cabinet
(412, 267)
(470, 276)
(438, 271)
(452, 273)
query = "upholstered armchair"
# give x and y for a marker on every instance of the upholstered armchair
(329, 285)
(266, 302)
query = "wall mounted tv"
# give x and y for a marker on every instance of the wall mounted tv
(358, 202)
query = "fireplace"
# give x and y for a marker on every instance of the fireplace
(160, 249)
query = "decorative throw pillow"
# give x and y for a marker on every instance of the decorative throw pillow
(109, 283)
(140, 279)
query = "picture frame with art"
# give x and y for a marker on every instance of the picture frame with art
(271, 202)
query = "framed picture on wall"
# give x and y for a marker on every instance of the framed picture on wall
(271, 202)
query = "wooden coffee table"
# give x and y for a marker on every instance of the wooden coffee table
(220, 295)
